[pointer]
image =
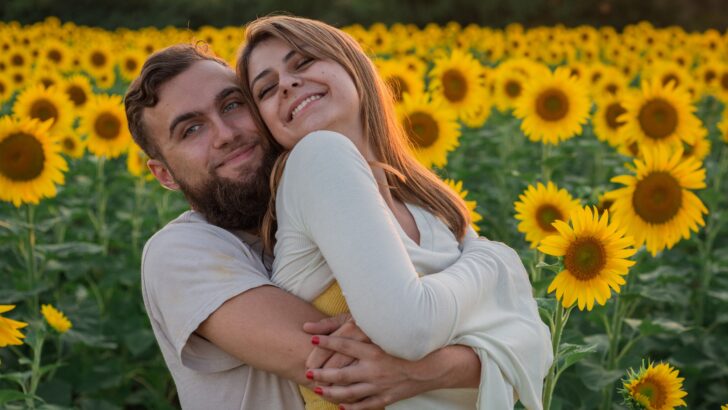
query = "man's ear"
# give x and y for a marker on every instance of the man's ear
(161, 172)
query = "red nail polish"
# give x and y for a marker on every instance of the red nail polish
(319, 391)
(341, 407)
(315, 340)
(309, 374)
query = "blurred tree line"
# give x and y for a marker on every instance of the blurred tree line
(110, 14)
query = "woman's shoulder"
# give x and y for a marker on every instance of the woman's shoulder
(322, 142)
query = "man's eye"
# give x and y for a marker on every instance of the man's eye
(190, 130)
(231, 106)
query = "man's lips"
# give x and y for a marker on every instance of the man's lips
(237, 155)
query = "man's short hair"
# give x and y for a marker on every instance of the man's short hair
(160, 67)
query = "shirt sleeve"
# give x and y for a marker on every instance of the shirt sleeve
(330, 191)
(188, 271)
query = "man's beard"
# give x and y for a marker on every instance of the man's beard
(233, 204)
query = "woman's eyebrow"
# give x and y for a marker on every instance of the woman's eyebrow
(267, 70)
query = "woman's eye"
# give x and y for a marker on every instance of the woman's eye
(264, 91)
(304, 61)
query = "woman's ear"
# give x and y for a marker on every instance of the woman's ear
(162, 173)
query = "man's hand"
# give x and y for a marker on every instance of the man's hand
(340, 326)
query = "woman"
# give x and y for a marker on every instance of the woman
(358, 183)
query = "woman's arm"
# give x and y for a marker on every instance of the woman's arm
(329, 191)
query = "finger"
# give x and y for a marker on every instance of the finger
(318, 357)
(325, 326)
(338, 361)
(347, 394)
(351, 331)
(349, 347)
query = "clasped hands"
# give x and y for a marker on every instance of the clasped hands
(345, 367)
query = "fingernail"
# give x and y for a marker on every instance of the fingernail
(315, 340)
(309, 374)
(319, 391)
(341, 407)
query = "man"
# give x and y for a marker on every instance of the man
(230, 338)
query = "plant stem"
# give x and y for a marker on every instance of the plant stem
(35, 374)
(30, 256)
(101, 202)
(614, 332)
(545, 169)
(559, 322)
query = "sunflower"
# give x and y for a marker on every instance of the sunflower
(723, 126)
(56, 53)
(136, 162)
(553, 108)
(46, 76)
(475, 217)
(655, 387)
(45, 104)
(657, 205)
(605, 120)
(667, 72)
(660, 115)
(104, 124)
(507, 88)
(6, 88)
(78, 90)
(612, 83)
(9, 328)
(97, 58)
(707, 75)
(400, 79)
(539, 207)
(71, 145)
(456, 79)
(699, 149)
(130, 64)
(594, 252)
(431, 126)
(30, 164)
(18, 58)
(721, 83)
(55, 318)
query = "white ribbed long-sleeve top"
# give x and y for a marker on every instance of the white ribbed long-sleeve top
(334, 225)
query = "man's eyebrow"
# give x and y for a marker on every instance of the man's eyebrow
(186, 116)
(267, 71)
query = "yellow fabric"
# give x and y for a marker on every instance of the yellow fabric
(330, 302)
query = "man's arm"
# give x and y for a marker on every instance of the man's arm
(263, 328)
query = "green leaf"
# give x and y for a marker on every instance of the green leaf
(572, 353)
(7, 396)
(553, 267)
(71, 248)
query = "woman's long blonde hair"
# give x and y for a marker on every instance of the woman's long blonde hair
(409, 180)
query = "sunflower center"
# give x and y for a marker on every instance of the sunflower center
(612, 88)
(131, 64)
(658, 119)
(724, 81)
(2, 88)
(17, 60)
(69, 144)
(545, 215)
(398, 87)
(55, 56)
(670, 78)
(47, 82)
(585, 258)
(614, 110)
(455, 86)
(107, 126)
(422, 129)
(657, 198)
(43, 110)
(98, 59)
(709, 76)
(653, 392)
(513, 88)
(77, 95)
(552, 105)
(21, 157)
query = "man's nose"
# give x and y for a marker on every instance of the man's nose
(224, 133)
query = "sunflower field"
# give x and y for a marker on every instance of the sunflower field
(600, 155)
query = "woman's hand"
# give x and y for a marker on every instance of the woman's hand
(340, 326)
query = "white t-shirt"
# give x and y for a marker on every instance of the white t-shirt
(334, 224)
(189, 269)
